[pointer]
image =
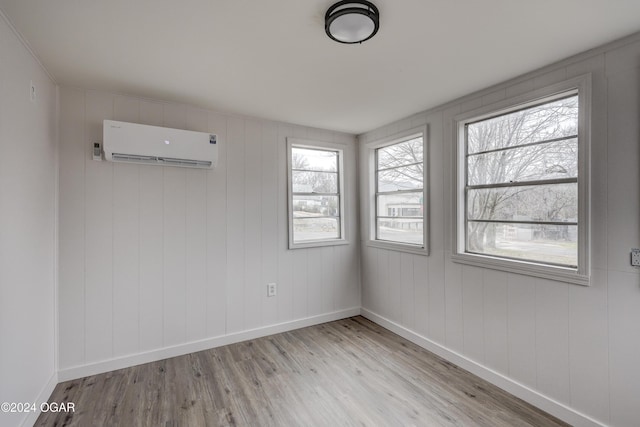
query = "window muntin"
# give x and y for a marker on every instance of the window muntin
(399, 192)
(521, 183)
(316, 206)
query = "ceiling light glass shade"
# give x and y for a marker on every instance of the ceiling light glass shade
(352, 21)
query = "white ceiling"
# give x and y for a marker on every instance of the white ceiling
(272, 59)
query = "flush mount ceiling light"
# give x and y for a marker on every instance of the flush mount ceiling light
(352, 21)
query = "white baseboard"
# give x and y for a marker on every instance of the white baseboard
(191, 347)
(525, 393)
(43, 396)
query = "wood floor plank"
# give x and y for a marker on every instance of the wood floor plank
(351, 372)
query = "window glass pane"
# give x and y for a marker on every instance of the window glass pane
(400, 154)
(551, 120)
(315, 182)
(315, 160)
(315, 206)
(400, 205)
(553, 202)
(555, 244)
(402, 178)
(553, 160)
(315, 217)
(307, 229)
(399, 176)
(401, 230)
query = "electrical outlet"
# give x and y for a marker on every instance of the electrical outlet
(271, 289)
(635, 257)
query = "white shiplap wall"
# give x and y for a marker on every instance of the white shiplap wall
(157, 261)
(576, 346)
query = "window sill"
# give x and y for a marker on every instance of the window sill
(398, 247)
(561, 274)
(318, 244)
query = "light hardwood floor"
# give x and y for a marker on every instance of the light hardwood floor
(343, 373)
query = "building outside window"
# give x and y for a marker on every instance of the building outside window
(316, 207)
(397, 174)
(522, 185)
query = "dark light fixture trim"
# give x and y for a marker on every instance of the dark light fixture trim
(345, 15)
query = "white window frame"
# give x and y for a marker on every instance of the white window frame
(326, 146)
(370, 206)
(580, 275)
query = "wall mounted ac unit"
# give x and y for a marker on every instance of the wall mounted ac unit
(154, 145)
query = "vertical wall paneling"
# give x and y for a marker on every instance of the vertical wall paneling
(623, 152)
(151, 244)
(407, 289)
(300, 271)
(521, 311)
(472, 312)
(196, 253)
(315, 286)
(448, 150)
(437, 171)
(588, 341)
(436, 212)
(174, 255)
(436, 296)
(454, 326)
(269, 230)
(368, 277)
(345, 291)
(327, 263)
(552, 339)
(303, 275)
(286, 289)
(383, 284)
(254, 285)
(624, 347)
(235, 224)
(216, 210)
(98, 234)
(126, 263)
(175, 241)
(395, 291)
(71, 229)
(421, 294)
(350, 259)
(126, 242)
(495, 320)
(196, 238)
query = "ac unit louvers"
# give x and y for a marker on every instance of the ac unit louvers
(154, 145)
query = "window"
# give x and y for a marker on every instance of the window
(521, 186)
(316, 208)
(397, 174)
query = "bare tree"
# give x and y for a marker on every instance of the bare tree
(534, 144)
(402, 165)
